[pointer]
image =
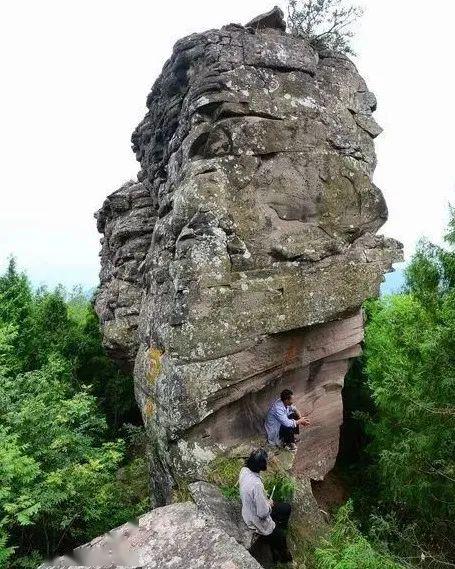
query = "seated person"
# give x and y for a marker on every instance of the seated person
(283, 420)
(262, 515)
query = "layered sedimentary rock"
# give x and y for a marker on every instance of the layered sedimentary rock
(237, 264)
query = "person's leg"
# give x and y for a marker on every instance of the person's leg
(287, 435)
(278, 545)
(281, 512)
(273, 541)
(294, 416)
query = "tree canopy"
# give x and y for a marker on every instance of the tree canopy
(404, 394)
(66, 472)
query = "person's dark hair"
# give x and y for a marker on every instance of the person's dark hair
(286, 394)
(257, 460)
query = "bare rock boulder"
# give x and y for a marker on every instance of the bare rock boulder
(177, 536)
(238, 262)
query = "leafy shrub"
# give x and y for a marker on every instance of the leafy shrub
(346, 548)
(282, 482)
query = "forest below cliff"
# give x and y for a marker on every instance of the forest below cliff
(72, 457)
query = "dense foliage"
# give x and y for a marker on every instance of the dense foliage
(65, 469)
(346, 547)
(405, 400)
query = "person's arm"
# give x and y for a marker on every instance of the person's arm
(296, 414)
(299, 419)
(282, 416)
(303, 421)
(262, 503)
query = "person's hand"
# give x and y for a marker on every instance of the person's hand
(303, 421)
(271, 502)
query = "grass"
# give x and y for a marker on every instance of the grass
(303, 545)
(224, 472)
(181, 493)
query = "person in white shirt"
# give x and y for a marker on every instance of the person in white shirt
(261, 514)
(283, 421)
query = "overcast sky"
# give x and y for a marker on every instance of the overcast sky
(75, 75)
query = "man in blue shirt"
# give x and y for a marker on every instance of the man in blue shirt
(283, 420)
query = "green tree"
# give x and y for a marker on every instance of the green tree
(61, 477)
(66, 474)
(112, 387)
(409, 365)
(15, 319)
(326, 24)
(35, 326)
(9, 361)
(52, 331)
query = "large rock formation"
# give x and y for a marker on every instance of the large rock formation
(238, 261)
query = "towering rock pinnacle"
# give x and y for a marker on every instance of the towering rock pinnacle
(237, 263)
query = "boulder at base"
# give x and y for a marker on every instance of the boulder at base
(174, 537)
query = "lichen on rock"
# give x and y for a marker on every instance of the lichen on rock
(178, 536)
(236, 265)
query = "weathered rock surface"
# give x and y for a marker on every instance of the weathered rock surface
(272, 19)
(126, 219)
(175, 536)
(227, 513)
(237, 264)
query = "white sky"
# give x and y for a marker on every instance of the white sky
(75, 76)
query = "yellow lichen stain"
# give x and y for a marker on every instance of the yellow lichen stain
(148, 408)
(154, 364)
